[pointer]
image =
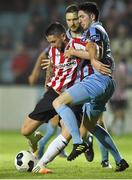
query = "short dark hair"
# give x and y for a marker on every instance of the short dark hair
(90, 7)
(71, 9)
(55, 29)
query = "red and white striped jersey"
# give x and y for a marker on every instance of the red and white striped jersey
(66, 71)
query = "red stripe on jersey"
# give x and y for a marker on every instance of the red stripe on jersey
(62, 81)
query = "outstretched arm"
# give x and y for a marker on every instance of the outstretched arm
(33, 77)
(49, 74)
(95, 56)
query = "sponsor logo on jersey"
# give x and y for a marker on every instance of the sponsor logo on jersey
(67, 65)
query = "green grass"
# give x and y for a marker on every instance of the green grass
(12, 142)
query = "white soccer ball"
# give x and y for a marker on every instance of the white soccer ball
(25, 161)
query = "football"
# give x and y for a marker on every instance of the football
(25, 161)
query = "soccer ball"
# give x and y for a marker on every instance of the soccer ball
(25, 161)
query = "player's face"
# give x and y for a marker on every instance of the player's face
(85, 20)
(56, 41)
(72, 21)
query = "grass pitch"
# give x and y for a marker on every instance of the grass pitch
(12, 142)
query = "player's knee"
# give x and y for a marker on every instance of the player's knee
(56, 103)
(26, 130)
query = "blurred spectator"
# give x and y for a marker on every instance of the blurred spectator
(40, 6)
(39, 23)
(118, 101)
(119, 7)
(21, 64)
(6, 41)
(33, 16)
(30, 38)
(122, 43)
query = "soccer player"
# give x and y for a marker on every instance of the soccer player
(57, 43)
(73, 31)
(63, 78)
(95, 90)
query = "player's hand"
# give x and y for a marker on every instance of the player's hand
(68, 53)
(32, 79)
(100, 67)
(45, 63)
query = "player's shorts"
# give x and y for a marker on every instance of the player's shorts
(95, 90)
(44, 110)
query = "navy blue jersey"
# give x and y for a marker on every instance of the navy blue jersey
(96, 33)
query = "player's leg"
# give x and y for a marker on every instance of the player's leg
(91, 88)
(42, 113)
(66, 113)
(55, 147)
(88, 138)
(60, 143)
(104, 152)
(50, 129)
(28, 130)
(102, 135)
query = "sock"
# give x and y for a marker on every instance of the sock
(52, 151)
(70, 122)
(49, 132)
(31, 137)
(104, 137)
(58, 132)
(104, 152)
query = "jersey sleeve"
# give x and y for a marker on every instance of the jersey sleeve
(94, 35)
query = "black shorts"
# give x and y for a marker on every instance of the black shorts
(44, 110)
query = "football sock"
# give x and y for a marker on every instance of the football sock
(31, 137)
(58, 132)
(103, 136)
(53, 150)
(104, 152)
(41, 145)
(70, 122)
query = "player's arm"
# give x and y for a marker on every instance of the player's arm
(92, 53)
(33, 77)
(46, 64)
(82, 54)
(95, 56)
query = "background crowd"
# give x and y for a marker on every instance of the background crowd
(22, 27)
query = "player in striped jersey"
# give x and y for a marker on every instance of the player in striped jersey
(44, 110)
(95, 89)
(57, 49)
(72, 21)
(73, 31)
